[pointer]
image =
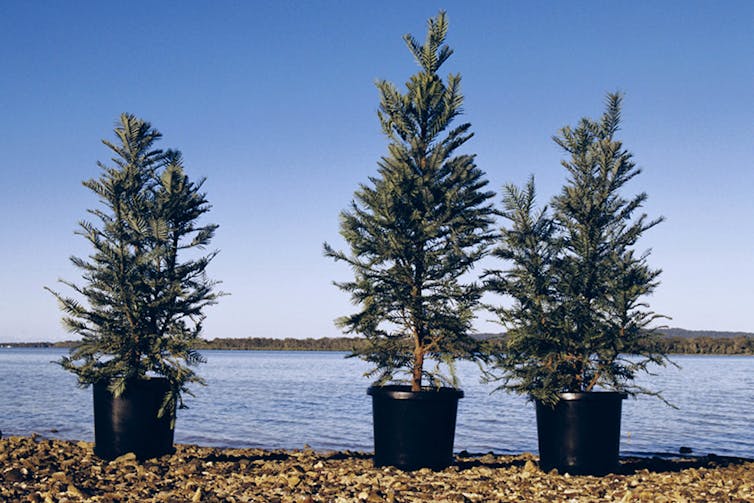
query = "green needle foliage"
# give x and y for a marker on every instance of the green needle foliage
(417, 227)
(577, 285)
(145, 286)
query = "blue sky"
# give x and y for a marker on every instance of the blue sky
(274, 102)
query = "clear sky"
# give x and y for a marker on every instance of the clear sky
(274, 102)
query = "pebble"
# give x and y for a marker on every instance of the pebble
(530, 467)
(126, 458)
(205, 474)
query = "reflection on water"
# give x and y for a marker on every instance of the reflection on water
(289, 400)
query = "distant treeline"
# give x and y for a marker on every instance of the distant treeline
(288, 344)
(697, 334)
(705, 342)
(62, 344)
(677, 341)
(740, 345)
(674, 341)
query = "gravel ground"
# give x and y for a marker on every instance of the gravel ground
(40, 470)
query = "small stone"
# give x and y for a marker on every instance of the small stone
(75, 491)
(293, 481)
(60, 477)
(14, 475)
(530, 466)
(488, 458)
(373, 497)
(126, 458)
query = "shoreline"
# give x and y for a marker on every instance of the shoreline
(674, 346)
(38, 469)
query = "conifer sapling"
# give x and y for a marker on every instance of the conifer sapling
(139, 311)
(416, 227)
(579, 318)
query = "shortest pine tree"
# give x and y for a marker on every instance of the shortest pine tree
(144, 286)
(420, 224)
(579, 319)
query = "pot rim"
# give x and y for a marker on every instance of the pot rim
(403, 392)
(593, 395)
(158, 383)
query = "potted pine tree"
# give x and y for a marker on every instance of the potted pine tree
(421, 223)
(578, 291)
(144, 293)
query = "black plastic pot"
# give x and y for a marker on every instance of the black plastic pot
(414, 430)
(581, 434)
(129, 423)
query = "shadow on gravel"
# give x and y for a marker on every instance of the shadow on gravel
(630, 465)
(349, 455)
(466, 463)
(274, 456)
(658, 464)
(235, 458)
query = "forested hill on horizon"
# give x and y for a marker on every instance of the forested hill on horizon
(674, 341)
(712, 334)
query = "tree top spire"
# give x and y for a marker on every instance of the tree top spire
(432, 54)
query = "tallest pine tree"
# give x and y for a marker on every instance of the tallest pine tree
(417, 227)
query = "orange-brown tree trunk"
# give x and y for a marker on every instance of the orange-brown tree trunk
(418, 370)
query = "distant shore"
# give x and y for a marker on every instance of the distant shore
(35, 469)
(674, 341)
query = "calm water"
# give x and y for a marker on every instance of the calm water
(289, 399)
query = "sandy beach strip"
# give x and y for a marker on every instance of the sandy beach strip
(43, 470)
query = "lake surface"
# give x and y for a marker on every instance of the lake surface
(292, 399)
